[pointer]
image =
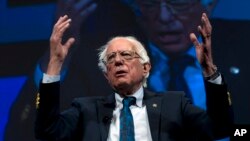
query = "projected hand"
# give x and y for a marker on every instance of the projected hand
(59, 51)
(78, 11)
(203, 49)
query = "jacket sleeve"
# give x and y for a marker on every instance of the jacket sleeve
(216, 122)
(50, 124)
(219, 109)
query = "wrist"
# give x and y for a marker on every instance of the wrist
(209, 70)
(54, 68)
(212, 76)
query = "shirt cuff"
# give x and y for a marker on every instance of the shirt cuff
(217, 80)
(50, 78)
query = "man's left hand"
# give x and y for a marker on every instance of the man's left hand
(203, 49)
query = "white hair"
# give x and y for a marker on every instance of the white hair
(139, 49)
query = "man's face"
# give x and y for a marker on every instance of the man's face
(168, 23)
(122, 73)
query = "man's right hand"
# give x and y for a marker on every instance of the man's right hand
(59, 51)
(78, 11)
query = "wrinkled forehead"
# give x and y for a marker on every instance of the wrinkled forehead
(119, 45)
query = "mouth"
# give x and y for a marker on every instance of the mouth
(120, 73)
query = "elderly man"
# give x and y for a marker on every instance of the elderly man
(132, 112)
(165, 26)
(78, 76)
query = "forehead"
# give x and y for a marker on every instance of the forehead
(119, 45)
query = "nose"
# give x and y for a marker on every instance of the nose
(118, 60)
(165, 14)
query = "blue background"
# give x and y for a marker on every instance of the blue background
(34, 22)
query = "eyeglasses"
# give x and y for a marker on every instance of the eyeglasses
(176, 6)
(125, 55)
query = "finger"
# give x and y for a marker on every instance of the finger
(194, 40)
(69, 43)
(63, 24)
(61, 31)
(207, 24)
(54, 35)
(60, 20)
(58, 24)
(203, 34)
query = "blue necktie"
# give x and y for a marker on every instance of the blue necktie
(126, 120)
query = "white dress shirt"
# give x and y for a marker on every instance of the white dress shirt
(140, 118)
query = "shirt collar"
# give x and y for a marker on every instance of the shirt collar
(138, 95)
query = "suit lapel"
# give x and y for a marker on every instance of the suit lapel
(105, 109)
(153, 104)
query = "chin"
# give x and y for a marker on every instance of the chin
(121, 88)
(121, 84)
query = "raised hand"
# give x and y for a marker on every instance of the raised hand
(59, 51)
(78, 11)
(203, 49)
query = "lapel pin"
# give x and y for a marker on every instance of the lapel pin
(154, 105)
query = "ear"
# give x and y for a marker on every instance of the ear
(146, 68)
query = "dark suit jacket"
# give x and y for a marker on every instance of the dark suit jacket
(174, 118)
